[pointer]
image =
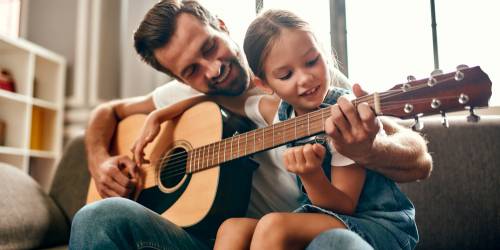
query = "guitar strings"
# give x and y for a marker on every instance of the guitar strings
(275, 125)
(181, 157)
(210, 157)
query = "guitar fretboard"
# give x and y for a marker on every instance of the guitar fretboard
(257, 140)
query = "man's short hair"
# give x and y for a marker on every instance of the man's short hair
(159, 24)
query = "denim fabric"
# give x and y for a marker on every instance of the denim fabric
(118, 223)
(384, 217)
(338, 239)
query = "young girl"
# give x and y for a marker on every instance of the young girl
(285, 57)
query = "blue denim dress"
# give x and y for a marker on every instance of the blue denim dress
(384, 216)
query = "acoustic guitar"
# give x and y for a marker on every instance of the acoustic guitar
(200, 173)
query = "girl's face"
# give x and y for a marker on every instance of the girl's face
(296, 70)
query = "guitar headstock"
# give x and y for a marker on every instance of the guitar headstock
(464, 88)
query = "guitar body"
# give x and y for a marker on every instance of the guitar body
(200, 201)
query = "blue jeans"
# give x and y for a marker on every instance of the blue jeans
(118, 223)
(341, 239)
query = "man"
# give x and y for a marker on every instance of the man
(185, 41)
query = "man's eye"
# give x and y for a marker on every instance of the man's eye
(312, 62)
(190, 71)
(210, 48)
(286, 76)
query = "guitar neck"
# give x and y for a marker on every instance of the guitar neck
(467, 87)
(260, 139)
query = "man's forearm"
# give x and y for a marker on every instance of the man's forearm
(401, 156)
(98, 135)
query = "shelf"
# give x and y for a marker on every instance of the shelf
(33, 114)
(45, 104)
(12, 150)
(13, 96)
(42, 154)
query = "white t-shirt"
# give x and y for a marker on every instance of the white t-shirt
(273, 188)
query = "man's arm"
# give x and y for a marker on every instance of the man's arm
(401, 156)
(113, 175)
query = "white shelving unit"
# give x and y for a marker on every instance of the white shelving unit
(34, 113)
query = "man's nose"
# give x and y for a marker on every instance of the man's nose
(212, 68)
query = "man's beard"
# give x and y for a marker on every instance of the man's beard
(237, 86)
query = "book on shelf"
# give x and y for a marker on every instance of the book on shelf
(37, 121)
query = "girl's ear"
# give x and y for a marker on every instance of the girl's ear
(262, 85)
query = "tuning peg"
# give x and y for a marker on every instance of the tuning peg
(444, 120)
(432, 80)
(411, 78)
(472, 117)
(418, 125)
(436, 72)
(406, 86)
(459, 75)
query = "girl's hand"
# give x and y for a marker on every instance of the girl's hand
(149, 132)
(304, 160)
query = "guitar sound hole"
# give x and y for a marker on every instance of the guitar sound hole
(174, 168)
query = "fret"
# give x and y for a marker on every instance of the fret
(225, 149)
(202, 157)
(295, 127)
(263, 130)
(218, 154)
(246, 142)
(195, 159)
(231, 152)
(283, 132)
(238, 143)
(308, 131)
(211, 156)
(273, 134)
(254, 133)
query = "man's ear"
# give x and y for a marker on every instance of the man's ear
(262, 85)
(222, 25)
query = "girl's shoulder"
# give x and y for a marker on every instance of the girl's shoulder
(268, 107)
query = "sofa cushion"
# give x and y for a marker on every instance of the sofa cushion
(72, 178)
(458, 206)
(29, 217)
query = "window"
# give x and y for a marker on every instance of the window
(237, 15)
(316, 13)
(468, 34)
(390, 39)
(9, 17)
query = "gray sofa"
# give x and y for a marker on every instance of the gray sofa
(458, 207)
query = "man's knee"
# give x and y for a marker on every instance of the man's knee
(110, 210)
(338, 239)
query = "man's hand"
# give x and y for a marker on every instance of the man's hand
(353, 129)
(117, 176)
(148, 133)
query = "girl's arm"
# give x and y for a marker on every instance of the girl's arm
(151, 127)
(342, 196)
